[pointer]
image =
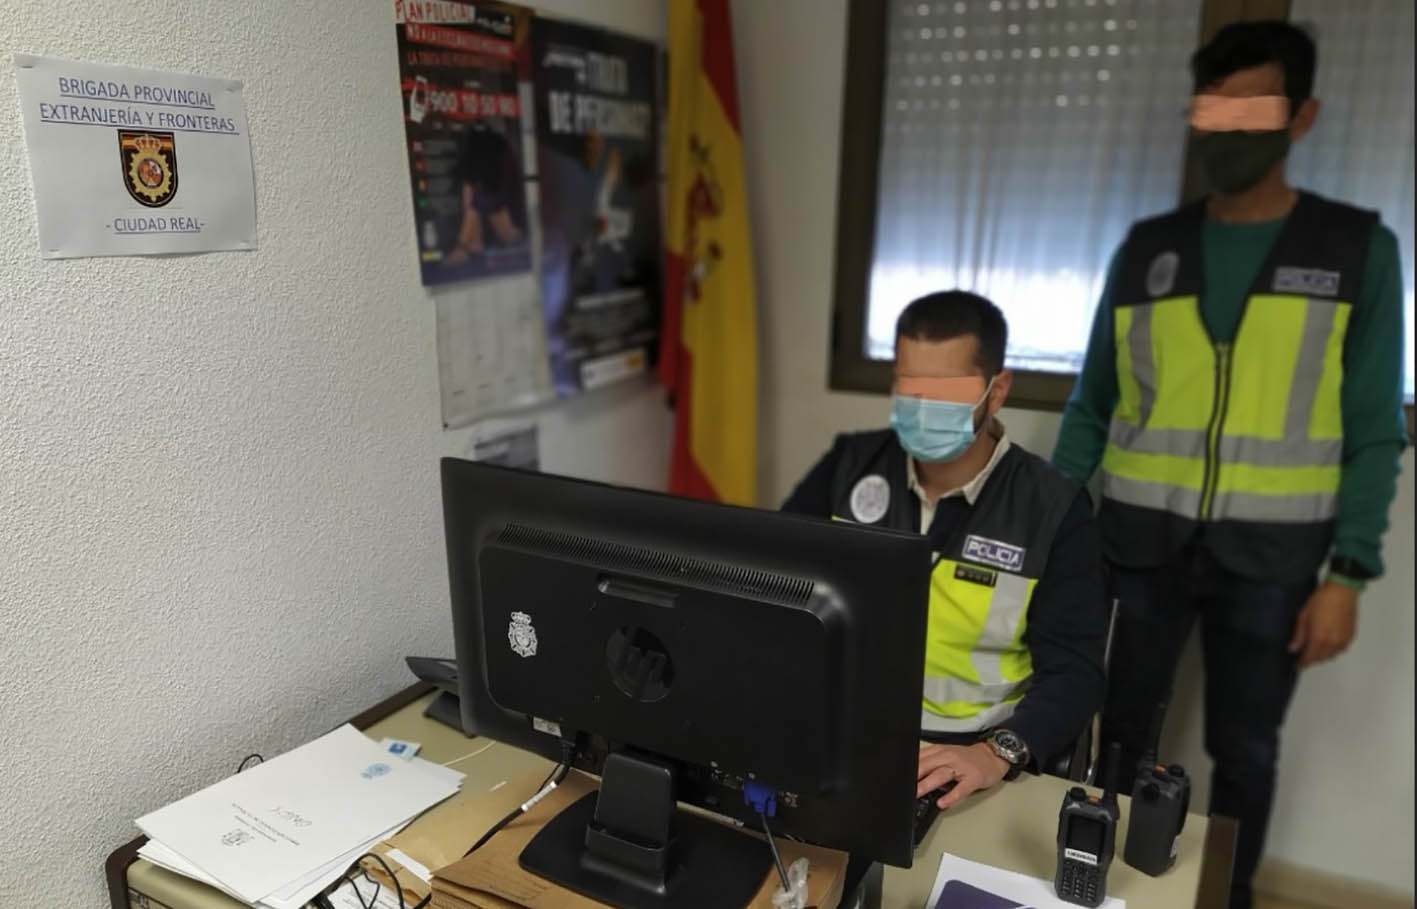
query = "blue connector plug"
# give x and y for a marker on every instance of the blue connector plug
(763, 799)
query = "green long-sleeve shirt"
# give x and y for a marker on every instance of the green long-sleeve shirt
(1374, 431)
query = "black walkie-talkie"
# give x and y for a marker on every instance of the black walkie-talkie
(1160, 799)
(1087, 838)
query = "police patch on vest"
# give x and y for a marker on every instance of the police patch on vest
(1161, 276)
(992, 552)
(1311, 282)
(870, 498)
(975, 575)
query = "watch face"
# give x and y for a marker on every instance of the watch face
(1009, 742)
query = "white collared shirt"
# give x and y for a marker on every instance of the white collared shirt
(970, 490)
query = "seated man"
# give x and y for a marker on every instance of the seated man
(1017, 613)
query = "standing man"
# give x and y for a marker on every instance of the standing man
(1017, 617)
(1242, 392)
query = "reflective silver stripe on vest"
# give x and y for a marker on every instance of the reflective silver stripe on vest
(1006, 609)
(1309, 370)
(946, 689)
(1287, 452)
(1295, 509)
(1143, 364)
(1292, 451)
(1183, 443)
(1232, 506)
(1175, 499)
(933, 722)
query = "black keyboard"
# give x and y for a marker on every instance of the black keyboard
(927, 809)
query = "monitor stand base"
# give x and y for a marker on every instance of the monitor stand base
(704, 864)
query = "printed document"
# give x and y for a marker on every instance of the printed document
(260, 831)
(292, 896)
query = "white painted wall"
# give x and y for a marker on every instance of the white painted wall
(1346, 799)
(220, 528)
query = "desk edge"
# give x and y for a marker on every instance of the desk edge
(1217, 863)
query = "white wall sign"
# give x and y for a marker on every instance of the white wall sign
(130, 161)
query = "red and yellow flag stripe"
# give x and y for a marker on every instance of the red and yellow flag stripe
(709, 342)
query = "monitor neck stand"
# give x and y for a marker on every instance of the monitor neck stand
(629, 845)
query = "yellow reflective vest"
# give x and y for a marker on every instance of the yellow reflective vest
(1245, 437)
(977, 664)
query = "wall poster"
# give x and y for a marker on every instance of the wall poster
(597, 125)
(459, 64)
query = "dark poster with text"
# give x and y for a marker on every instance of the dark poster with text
(458, 66)
(597, 129)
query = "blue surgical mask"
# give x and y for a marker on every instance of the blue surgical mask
(934, 431)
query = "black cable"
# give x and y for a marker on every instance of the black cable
(374, 899)
(398, 891)
(556, 777)
(242, 766)
(358, 897)
(776, 859)
(553, 780)
(354, 885)
(513, 815)
(554, 770)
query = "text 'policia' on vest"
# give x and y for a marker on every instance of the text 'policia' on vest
(977, 665)
(1244, 438)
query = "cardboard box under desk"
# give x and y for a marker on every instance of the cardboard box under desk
(491, 878)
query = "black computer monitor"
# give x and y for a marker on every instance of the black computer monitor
(683, 647)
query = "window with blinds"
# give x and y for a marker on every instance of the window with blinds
(1361, 148)
(1020, 138)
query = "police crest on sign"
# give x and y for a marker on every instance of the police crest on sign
(149, 161)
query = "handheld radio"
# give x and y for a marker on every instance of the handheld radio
(1160, 799)
(1087, 838)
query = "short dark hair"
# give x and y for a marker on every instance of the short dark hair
(949, 314)
(1242, 45)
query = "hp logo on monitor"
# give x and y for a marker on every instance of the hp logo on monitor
(639, 664)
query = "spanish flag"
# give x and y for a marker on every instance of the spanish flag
(709, 342)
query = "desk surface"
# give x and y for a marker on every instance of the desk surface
(1011, 827)
(1015, 827)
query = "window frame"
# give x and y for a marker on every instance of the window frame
(858, 183)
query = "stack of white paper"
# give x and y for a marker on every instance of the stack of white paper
(281, 832)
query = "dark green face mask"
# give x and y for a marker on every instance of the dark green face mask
(1236, 161)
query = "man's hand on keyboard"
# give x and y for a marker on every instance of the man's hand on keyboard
(972, 767)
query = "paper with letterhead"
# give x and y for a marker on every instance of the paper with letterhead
(165, 858)
(293, 896)
(297, 893)
(129, 161)
(258, 831)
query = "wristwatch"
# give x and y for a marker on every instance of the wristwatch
(1010, 747)
(1347, 571)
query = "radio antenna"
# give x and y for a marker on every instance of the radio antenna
(1153, 742)
(1114, 758)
